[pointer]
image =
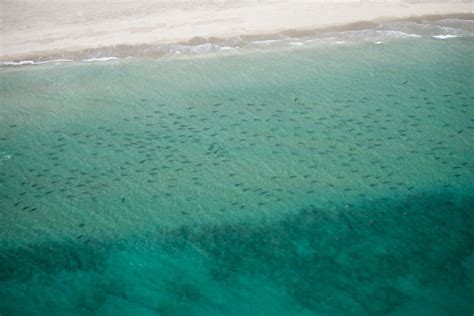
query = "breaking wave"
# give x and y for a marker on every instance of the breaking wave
(382, 33)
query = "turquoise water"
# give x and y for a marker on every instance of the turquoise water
(331, 179)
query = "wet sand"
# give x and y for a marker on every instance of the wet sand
(32, 28)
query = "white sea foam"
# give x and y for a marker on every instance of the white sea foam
(399, 34)
(445, 36)
(31, 62)
(101, 59)
(18, 63)
(265, 42)
(53, 61)
(371, 36)
(196, 49)
(383, 33)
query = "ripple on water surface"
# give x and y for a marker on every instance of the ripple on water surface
(299, 183)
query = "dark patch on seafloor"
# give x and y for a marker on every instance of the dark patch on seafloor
(356, 260)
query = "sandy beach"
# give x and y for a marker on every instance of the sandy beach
(44, 28)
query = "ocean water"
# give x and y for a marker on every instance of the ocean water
(330, 177)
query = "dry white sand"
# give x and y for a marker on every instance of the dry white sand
(29, 27)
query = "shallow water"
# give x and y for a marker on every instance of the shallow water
(320, 180)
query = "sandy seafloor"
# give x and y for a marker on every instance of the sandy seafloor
(302, 174)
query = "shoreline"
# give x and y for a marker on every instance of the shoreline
(84, 29)
(369, 32)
